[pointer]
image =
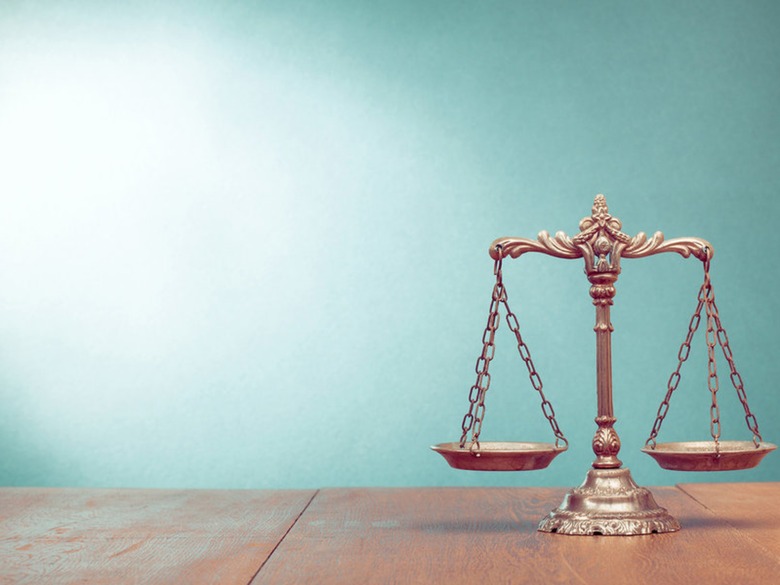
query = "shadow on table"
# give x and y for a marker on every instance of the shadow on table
(710, 522)
(473, 525)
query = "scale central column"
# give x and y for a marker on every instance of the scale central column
(608, 502)
(606, 443)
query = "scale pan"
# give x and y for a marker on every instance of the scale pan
(494, 456)
(700, 455)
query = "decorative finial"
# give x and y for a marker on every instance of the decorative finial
(600, 209)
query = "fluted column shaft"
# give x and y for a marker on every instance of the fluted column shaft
(606, 443)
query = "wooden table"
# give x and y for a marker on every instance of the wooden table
(731, 534)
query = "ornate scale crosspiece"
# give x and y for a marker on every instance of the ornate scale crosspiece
(609, 502)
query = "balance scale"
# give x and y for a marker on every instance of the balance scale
(609, 502)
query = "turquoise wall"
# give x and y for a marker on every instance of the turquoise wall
(244, 245)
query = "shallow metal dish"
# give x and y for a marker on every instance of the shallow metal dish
(494, 456)
(701, 456)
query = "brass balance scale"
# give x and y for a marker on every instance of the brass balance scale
(609, 502)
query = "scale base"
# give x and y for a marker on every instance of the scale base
(609, 503)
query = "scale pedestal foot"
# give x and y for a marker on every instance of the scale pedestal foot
(609, 502)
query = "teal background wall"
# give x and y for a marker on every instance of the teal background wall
(244, 245)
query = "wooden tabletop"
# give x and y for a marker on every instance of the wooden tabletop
(731, 534)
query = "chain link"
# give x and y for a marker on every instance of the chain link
(472, 421)
(704, 297)
(533, 375)
(674, 379)
(712, 368)
(736, 379)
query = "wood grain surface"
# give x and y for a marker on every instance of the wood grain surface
(454, 535)
(405, 535)
(752, 508)
(141, 536)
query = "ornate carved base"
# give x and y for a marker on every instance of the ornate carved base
(609, 502)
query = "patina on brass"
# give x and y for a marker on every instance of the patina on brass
(704, 456)
(498, 456)
(609, 502)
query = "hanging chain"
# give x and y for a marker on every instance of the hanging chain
(715, 334)
(736, 379)
(674, 379)
(712, 368)
(536, 380)
(473, 418)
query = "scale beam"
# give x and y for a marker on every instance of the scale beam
(600, 235)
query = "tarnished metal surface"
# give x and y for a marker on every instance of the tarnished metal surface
(599, 224)
(497, 456)
(609, 502)
(706, 456)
